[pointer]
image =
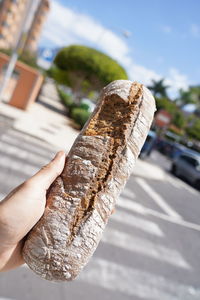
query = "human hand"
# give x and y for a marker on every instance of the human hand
(22, 209)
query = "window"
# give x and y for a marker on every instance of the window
(183, 157)
(190, 160)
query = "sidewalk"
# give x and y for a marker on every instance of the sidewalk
(47, 120)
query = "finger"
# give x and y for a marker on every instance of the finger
(50, 172)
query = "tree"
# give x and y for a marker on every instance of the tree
(86, 69)
(29, 58)
(158, 88)
(166, 104)
(179, 120)
(25, 57)
(192, 95)
(194, 130)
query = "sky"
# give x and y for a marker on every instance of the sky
(151, 39)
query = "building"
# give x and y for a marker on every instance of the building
(11, 16)
(24, 85)
(36, 28)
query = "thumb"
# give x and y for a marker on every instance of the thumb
(45, 177)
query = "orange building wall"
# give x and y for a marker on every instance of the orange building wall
(28, 84)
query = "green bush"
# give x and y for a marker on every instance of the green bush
(84, 106)
(194, 130)
(80, 115)
(67, 100)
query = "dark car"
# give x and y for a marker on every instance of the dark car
(165, 147)
(170, 149)
(187, 165)
(177, 149)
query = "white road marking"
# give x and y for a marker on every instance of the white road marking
(23, 154)
(17, 166)
(145, 225)
(36, 147)
(138, 208)
(6, 298)
(32, 139)
(145, 247)
(128, 193)
(135, 282)
(131, 205)
(157, 198)
(174, 182)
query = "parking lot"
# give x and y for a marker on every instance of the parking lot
(151, 246)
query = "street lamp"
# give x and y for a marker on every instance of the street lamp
(21, 39)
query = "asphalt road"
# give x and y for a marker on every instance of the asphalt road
(151, 246)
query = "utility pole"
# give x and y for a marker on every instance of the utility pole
(20, 42)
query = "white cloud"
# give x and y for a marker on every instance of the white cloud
(167, 29)
(176, 81)
(195, 30)
(189, 107)
(142, 74)
(66, 26)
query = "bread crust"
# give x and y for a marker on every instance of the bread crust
(81, 200)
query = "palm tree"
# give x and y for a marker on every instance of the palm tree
(158, 88)
(192, 95)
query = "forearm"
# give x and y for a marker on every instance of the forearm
(10, 250)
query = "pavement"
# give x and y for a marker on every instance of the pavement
(151, 246)
(46, 119)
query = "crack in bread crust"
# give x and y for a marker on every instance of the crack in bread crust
(116, 126)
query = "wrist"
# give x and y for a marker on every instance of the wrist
(11, 257)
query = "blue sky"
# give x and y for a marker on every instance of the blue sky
(164, 39)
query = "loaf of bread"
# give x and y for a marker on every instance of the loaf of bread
(83, 197)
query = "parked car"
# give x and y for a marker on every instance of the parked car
(149, 144)
(177, 149)
(170, 149)
(165, 147)
(187, 165)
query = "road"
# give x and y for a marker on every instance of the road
(151, 246)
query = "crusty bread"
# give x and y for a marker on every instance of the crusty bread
(81, 200)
